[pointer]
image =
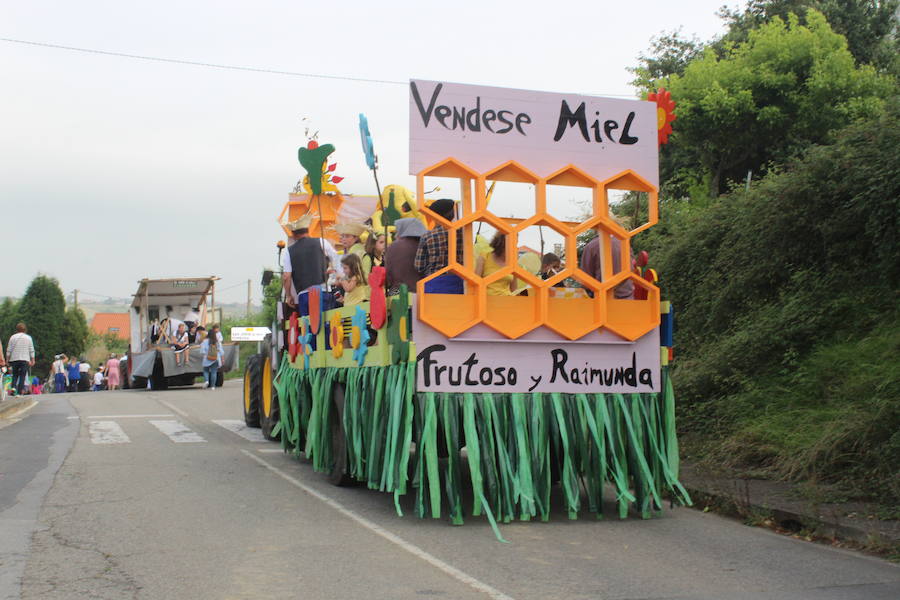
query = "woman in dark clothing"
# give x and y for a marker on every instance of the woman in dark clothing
(400, 256)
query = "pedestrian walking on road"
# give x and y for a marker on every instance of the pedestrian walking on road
(74, 372)
(112, 373)
(98, 380)
(84, 377)
(59, 373)
(20, 355)
(211, 349)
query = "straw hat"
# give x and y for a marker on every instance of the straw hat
(355, 229)
(302, 223)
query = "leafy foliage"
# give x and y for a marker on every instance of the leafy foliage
(75, 332)
(43, 310)
(788, 86)
(767, 278)
(868, 25)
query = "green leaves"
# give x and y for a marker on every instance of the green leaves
(788, 85)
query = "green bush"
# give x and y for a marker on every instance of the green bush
(771, 285)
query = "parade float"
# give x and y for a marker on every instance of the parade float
(415, 392)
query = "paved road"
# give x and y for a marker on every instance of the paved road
(156, 495)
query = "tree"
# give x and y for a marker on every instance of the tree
(669, 55)
(870, 26)
(75, 332)
(9, 316)
(788, 86)
(43, 310)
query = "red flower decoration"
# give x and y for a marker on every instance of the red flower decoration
(332, 167)
(665, 113)
(336, 179)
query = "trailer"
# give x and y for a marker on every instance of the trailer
(149, 360)
(519, 392)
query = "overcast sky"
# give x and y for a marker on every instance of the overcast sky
(113, 169)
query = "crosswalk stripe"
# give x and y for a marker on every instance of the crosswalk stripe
(177, 432)
(107, 432)
(240, 428)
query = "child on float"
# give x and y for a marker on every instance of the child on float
(353, 282)
(374, 255)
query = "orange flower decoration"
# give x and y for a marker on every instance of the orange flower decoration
(665, 113)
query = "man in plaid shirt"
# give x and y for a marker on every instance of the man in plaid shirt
(433, 253)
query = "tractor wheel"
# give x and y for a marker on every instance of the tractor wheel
(251, 391)
(268, 399)
(339, 475)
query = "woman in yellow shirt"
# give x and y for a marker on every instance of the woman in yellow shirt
(492, 262)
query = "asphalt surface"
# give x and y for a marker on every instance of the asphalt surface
(142, 495)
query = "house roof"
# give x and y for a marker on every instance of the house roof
(116, 323)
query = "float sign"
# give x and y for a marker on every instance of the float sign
(485, 127)
(249, 334)
(537, 362)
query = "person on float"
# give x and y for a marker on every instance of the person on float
(354, 282)
(374, 253)
(304, 262)
(400, 256)
(433, 252)
(181, 346)
(592, 264)
(349, 235)
(192, 317)
(493, 261)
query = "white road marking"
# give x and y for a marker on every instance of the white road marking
(173, 408)
(177, 432)
(270, 450)
(107, 432)
(123, 416)
(381, 531)
(239, 427)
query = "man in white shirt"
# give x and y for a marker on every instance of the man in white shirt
(20, 355)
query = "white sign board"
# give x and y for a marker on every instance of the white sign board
(249, 334)
(484, 127)
(540, 361)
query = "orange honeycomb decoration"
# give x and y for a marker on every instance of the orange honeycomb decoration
(301, 204)
(514, 316)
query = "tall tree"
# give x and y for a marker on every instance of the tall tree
(788, 86)
(669, 55)
(75, 332)
(43, 310)
(9, 316)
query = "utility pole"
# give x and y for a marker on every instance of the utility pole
(248, 298)
(75, 293)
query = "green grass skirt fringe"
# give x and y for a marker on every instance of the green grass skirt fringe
(517, 445)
